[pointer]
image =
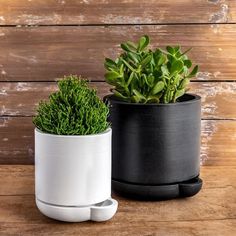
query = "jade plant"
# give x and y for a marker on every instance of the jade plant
(142, 75)
(75, 109)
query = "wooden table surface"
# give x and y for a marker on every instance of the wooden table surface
(211, 212)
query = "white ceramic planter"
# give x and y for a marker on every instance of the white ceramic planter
(73, 176)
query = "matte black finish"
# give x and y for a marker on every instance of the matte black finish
(155, 144)
(158, 192)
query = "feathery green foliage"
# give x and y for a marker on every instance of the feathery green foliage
(141, 75)
(73, 110)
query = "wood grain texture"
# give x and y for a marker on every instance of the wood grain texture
(23, 177)
(210, 204)
(47, 53)
(17, 141)
(211, 212)
(150, 228)
(16, 180)
(53, 12)
(21, 98)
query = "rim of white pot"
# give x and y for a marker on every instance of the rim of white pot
(73, 136)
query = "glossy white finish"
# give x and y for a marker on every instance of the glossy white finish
(71, 171)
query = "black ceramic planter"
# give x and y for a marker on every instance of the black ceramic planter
(155, 148)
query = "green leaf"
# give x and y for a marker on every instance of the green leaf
(150, 79)
(156, 55)
(185, 71)
(152, 99)
(143, 43)
(127, 47)
(183, 83)
(176, 66)
(135, 99)
(132, 45)
(111, 77)
(188, 63)
(130, 79)
(184, 57)
(128, 65)
(133, 57)
(138, 95)
(121, 69)
(179, 93)
(176, 80)
(193, 72)
(164, 70)
(161, 60)
(146, 60)
(158, 87)
(110, 64)
(170, 50)
(176, 49)
(144, 77)
(119, 95)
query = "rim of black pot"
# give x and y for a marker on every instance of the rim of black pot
(182, 100)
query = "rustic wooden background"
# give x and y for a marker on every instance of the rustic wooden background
(42, 40)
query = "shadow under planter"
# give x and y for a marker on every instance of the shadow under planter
(156, 148)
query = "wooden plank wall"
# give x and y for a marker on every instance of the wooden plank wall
(42, 40)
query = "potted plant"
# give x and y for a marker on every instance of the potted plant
(73, 155)
(155, 123)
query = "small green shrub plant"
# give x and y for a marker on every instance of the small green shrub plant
(75, 109)
(142, 75)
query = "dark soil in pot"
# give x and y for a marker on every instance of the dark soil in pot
(156, 148)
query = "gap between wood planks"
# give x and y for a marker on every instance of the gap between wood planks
(118, 24)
